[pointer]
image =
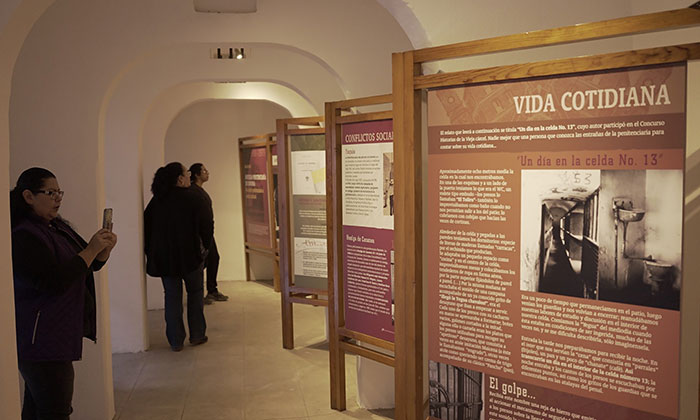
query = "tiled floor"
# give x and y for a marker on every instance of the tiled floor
(242, 372)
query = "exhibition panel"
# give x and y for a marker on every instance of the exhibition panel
(360, 174)
(553, 233)
(302, 209)
(258, 163)
(538, 277)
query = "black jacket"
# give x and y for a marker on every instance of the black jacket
(177, 232)
(204, 196)
(54, 291)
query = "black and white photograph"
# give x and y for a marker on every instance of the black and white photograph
(388, 183)
(603, 234)
(455, 393)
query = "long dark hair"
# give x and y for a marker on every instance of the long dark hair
(32, 179)
(165, 179)
(195, 171)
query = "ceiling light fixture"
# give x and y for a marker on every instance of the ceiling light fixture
(223, 54)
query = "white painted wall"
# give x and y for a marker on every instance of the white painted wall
(172, 101)
(132, 96)
(16, 20)
(85, 114)
(208, 132)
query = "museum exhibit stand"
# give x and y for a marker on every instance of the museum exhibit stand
(258, 165)
(360, 213)
(546, 227)
(302, 217)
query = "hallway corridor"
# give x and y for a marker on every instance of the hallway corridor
(559, 276)
(241, 373)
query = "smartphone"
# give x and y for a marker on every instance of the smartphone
(107, 219)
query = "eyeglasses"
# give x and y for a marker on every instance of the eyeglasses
(56, 195)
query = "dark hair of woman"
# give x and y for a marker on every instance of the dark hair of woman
(165, 179)
(195, 171)
(32, 179)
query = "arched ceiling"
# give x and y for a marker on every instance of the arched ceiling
(89, 52)
(177, 98)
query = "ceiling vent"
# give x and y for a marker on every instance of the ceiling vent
(225, 6)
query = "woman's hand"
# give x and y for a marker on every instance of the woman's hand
(111, 239)
(100, 244)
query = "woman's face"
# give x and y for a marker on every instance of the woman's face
(43, 202)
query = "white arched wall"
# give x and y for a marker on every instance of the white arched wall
(94, 70)
(163, 112)
(58, 106)
(124, 109)
(208, 132)
(174, 100)
(16, 20)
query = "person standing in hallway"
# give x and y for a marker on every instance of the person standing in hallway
(198, 176)
(177, 233)
(55, 305)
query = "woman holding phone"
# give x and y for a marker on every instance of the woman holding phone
(54, 293)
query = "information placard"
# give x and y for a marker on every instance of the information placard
(308, 173)
(275, 181)
(368, 227)
(554, 246)
(257, 218)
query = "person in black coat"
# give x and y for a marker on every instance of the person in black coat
(198, 176)
(54, 293)
(177, 233)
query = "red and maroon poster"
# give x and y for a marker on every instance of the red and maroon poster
(368, 227)
(257, 217)
(554, 239)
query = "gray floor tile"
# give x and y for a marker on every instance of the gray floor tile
(242, 372)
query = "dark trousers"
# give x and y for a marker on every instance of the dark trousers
(48, 390)
(212, 267)
(174, 326)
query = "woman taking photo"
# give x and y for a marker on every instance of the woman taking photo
(177, 233)
(54, 293)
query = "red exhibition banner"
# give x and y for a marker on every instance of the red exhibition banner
(554, 246)
(368, 227)
(257, 217)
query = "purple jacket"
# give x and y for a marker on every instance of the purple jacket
(54, 291)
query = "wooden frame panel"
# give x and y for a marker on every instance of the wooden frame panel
(291, 294)
(408, 237)
(605, 29)
(267, 141)
(609, 61)
(339, 335)
(408, 84)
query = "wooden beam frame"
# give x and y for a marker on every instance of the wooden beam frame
(605, 29)
(408, 84)
(291, 294)
(259, 141)
(339, 336)
(408, 238)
